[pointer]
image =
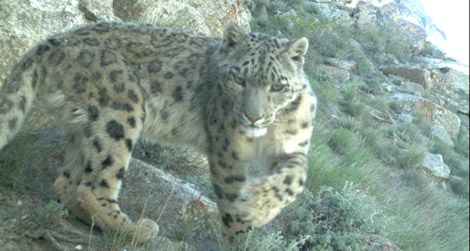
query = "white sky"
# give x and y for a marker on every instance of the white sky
(452, 17)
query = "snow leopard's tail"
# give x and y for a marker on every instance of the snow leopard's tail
(16, 96)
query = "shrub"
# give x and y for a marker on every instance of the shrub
(350, 102)
(343, 140)
(411, 156)
(348, 122)
(408, 132)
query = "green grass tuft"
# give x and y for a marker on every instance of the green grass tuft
(344, 140)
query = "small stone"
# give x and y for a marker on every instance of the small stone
(405, 117)
(436, 166)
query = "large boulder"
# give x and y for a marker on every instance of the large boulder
(421, 76)
(24, 23)
(330, 9)
(454, 85)
(207, 17)
(437, 115)
(413, 23)
(171, 201)
(31, 220)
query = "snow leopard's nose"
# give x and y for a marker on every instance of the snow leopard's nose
(254, 117)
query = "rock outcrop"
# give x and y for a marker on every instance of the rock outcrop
(24, 23)
(420, 76)
(427, 110)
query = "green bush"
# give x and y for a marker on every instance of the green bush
(350, 103)
(348, 122)
(344, 140)
(408, 132)
(411, 156)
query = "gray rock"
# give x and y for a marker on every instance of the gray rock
(182, 212)
(406, 117)
(24, 23)
(420, 76)
(328, 9)
(438, 115)
(179, 209)
(207, 17)
(434, 164)
(413, 23)
(438, 63)
(403, 97)
(453, 84)
(348, 65)
(427, 110)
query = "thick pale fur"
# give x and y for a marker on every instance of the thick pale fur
(244, 101)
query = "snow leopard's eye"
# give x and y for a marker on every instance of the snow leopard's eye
(235, 75)
(277, 87)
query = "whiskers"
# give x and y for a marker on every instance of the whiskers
(275, 122)
(238, 113)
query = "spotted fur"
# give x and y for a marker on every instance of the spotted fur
(243, 100)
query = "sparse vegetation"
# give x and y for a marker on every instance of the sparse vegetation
(432, 51)
(390, 196)
(16, 155)
(350, 104)
(273, 242)
(381, 157)
(335, 219)
(344, 140)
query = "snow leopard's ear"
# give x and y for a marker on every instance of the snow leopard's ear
(233, 35)
(297, 49)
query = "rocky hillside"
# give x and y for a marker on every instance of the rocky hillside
(389, 163)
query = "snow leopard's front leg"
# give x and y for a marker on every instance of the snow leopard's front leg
(228, 177)
(246, 202)
(261, 199)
